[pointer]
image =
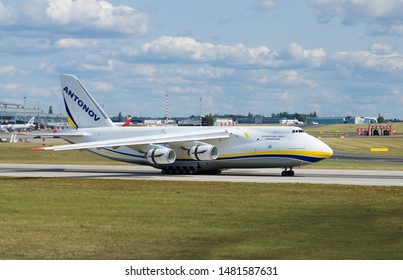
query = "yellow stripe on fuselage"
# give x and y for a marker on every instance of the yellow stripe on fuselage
(316, 154)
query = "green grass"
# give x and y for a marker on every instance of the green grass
(21, 153)
(120, 219)
(336, 129)
(363, 145)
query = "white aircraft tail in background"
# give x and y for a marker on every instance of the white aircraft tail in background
(184, 150)
(127, 122)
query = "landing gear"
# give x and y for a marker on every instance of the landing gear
(188, 170)
(287, 172)
(179, 170)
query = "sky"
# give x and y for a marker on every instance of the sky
(332, 57)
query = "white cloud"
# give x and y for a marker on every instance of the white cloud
(102, 86)
(379, 48)
(10, 87)
(383, 17)
(8, 70)
(47, 67)
(293, 77)
(312, 57)
(74, 43)
(380, 58)
(108, 66)
(187, 48)
(288, 77)
(6, 14)
(264, 5)
(74, 16)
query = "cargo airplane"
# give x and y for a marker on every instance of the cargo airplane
(183, 150)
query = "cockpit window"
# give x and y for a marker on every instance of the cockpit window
(297, 131)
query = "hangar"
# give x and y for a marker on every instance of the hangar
(341, 120)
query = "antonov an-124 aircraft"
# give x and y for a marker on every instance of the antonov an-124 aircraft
(183, 150)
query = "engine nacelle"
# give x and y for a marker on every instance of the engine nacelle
(161, 156)
(203, 152)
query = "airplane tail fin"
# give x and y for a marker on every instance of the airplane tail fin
(127, 122)
(82, 109)
(31, 121)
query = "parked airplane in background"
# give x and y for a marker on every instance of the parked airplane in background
(125, 123)
(183, 150)
(18, 127)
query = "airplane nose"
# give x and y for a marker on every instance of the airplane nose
(326, 151)
(329, 151)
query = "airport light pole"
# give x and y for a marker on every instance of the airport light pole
(24, 110)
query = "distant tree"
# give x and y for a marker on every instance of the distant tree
(50, 110)
(208, 120)
(380, 119)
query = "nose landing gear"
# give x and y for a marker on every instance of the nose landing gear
(287, 172)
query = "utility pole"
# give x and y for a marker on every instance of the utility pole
(166, 110)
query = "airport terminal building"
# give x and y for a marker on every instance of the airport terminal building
(20, 114)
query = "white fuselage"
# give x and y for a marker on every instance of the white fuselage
(246, 147)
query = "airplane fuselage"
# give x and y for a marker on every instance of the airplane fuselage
(246, 147)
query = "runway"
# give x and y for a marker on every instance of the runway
(135, 172)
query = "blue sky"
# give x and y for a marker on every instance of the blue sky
(335, 57)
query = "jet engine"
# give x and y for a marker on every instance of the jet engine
(161, 155)
(203, 152)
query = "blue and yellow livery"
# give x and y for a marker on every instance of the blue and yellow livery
(184, 150)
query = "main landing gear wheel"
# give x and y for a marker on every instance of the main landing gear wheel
(287, 172)
(179, 170)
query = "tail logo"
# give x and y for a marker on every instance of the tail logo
(81, 104)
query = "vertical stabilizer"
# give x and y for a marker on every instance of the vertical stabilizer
(82, 109)
(31, 121)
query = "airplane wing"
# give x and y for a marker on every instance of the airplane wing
(142, 140)
(61, 134)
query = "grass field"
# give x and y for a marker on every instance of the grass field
(119, 219)
(124, 219)
(363, 145)
(336, 129)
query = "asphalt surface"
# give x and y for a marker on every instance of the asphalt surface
(135, 172)
(376, 158)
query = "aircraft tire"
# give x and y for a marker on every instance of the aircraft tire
(288, 173)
